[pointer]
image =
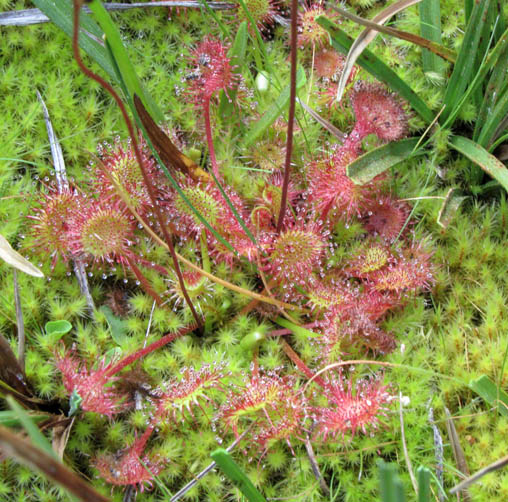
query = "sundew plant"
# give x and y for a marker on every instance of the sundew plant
(263, 226)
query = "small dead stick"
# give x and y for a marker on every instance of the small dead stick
(19, 322)
(313, 462)
(63, 185)
(135, 144)
(180, 493)
(498, 464)
(25, 452)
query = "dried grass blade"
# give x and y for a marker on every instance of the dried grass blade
(365, 37)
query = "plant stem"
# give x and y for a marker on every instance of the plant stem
(291, 117)
(147, 350)
(144, 282)
(205, 257)
(149, 187)
(209, 139)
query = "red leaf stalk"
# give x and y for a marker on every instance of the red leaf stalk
(89, 73)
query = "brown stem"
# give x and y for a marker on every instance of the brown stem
(149, 187)
(291, 117)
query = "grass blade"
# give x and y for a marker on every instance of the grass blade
(274, 111)
(378, 69)
(450, 207)
(390, 485)
(368, 166)
(90, 37)
(430, 28)
(37, 437)
(237, 56)
(224, 460)
(463, 69)
(491, 393)
(341, 136)
(477, 154)
(496, 120)
(130, 79)
(494, 87)
(423, 475)
(26, 17)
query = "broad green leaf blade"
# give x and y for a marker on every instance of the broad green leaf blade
(378, 69)
(274, 111)
(125, 66)
(477, 154)
(116, 325)
(491, 393)
(59, 328)
(366, 167)
(14, 259)
(430, 28)
(61, 13)
(464, 66)
(224, 460)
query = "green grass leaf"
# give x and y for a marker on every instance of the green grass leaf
(391, 487)
(61, 13)
(477, 154)
(491, 393)
(229, 467)
(342, 43)
(368, 166)
(125, 67)
(430, 28)
(237, 57)
(423, 476)
(270, 116)
(497, 61)
(300, 330)
(11, 418)
(37, 437)
(496, 120)
(464, 66)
